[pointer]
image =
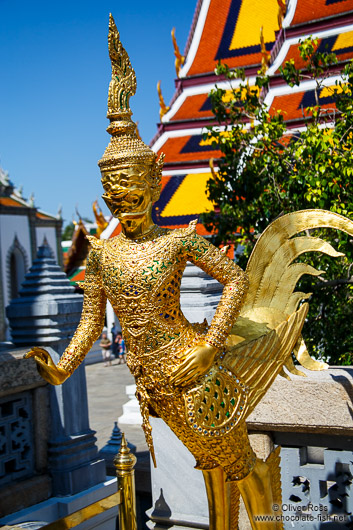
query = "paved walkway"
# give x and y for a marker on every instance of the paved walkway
(106, 396)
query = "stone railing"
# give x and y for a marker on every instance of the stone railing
(24, 433)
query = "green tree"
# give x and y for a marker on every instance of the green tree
(268, 169)
(68, 232)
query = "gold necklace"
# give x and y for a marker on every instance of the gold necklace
(147, 235)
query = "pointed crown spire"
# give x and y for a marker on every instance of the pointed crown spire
(125, 147)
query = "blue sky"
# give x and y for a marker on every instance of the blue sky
(55, 72)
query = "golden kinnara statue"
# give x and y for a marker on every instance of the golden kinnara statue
(203, 381)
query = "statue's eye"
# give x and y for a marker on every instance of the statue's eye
(133, 199)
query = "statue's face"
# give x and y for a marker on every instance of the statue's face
(127, 192)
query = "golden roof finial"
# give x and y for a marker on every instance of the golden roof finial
(163, 107)
(100, 219)
(282, 8)
(266, 56)
(179, 59)
(213, 171)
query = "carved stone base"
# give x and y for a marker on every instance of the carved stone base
(25, 493)
(178, 490)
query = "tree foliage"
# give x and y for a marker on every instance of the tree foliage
(268, 169)
(68, 232)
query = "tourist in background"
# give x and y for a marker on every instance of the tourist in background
(105, 344)
(121, 347)
(114, 331)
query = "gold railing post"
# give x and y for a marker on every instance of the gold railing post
(124, 463)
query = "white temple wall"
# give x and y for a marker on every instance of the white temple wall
(13, 227)
(48, 232)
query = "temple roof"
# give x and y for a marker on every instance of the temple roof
(229, 30)
(12, 201)
(340, 42)
(75, 256)
(293, 104)
(234, 38)
(11, 197)
(314, 10)
(45, 216)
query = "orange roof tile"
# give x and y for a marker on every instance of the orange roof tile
(292, 105)
(308, 10)
(8, 201)
(41, 215)
(78, 276)
(187, 148)
(194, 107)
(341, 44)
(235, 38)
(116, 231)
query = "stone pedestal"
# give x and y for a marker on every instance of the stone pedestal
(199, 294)
(178, 490)
(131, 410)
(47, 310)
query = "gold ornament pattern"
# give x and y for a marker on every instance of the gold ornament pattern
(141, 278)
(123, 83)
(217, 405)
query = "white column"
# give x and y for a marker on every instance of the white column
(110, 317)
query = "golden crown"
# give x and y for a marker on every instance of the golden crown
(125, 147)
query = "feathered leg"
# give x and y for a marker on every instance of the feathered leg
(223, 500)
(234, 504)
(274, 463)
(261, 492)
(218, 498)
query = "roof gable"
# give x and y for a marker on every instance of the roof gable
(235, 39)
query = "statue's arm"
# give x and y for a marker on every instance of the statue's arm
(215, 263)
(198, 359)
(87, 332)
(92, 317)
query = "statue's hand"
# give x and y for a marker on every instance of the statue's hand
(46, 366)
(195, 362)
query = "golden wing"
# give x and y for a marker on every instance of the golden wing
(273, 276)
(257, 362)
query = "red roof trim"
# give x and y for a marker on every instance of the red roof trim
(334, 21)
(193, 27)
